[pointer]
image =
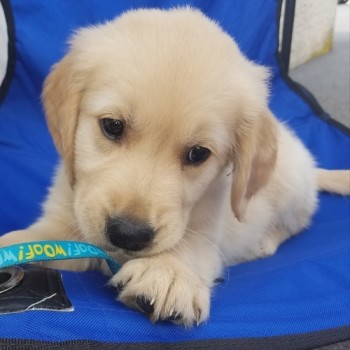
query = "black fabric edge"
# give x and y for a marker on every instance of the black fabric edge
(299, 89)
(308, 341)
(11, 49)
(287, 33)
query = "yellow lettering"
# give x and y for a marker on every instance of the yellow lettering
(20, 254)
(38, 249)
(60, 250)
(30, 255)
(49, 251)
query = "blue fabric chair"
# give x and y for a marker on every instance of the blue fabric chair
(296, 299)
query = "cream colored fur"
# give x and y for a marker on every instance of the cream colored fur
(176, 80)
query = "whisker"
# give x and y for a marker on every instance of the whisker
(209, 241)
(213, 245)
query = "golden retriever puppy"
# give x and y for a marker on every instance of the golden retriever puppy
(172, 161)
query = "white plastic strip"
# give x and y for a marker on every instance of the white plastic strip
(3, 45)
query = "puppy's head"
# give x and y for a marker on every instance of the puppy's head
(147, 111)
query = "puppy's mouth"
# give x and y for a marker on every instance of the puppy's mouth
(124, 255)
(121, 254)
(137, 252)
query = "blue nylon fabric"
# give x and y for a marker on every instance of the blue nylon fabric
(304, 287)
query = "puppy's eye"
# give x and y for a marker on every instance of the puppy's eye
(197, 155)
(112, 128)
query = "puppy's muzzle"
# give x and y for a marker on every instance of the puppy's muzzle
(129, 233)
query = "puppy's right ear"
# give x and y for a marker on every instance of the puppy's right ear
(61, 99)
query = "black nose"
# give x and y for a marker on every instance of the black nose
(129, 233)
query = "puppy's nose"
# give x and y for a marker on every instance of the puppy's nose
(129, 233)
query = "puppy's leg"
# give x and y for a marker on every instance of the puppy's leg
(47, 229)
(173, 286)
(57, 223)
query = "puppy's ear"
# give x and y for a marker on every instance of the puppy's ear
(61, 99)
(254, 157)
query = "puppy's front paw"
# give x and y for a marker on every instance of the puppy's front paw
(163, 288)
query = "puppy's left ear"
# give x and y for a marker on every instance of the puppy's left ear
(61, 98)
(254, 157)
